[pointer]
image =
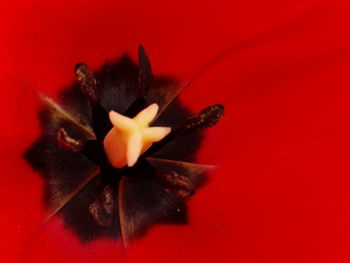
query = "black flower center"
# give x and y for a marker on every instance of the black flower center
(95, 199)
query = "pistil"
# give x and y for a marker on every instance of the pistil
(130, 137)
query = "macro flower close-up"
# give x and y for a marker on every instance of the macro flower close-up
(175, 131)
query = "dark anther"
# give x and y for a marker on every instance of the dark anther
(88, 86)
(178, 184)
(205, 119)
(101, 209)
(144, 84)
(145, 72)
(68, 143)
(87, 81)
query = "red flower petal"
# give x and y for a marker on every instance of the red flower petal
(282, 195)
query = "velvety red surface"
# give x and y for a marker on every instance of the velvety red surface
(281, 68)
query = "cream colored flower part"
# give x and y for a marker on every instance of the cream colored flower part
(130, 137)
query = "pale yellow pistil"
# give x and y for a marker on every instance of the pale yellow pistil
(130, 137)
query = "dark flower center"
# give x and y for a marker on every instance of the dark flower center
(94, 198)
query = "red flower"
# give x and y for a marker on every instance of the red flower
(280, 68)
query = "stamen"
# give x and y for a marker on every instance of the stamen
(145, 82)
(68, 143)
(145, 72)
(101, 209)
(208, 117)
(87, 81)
(178, 184)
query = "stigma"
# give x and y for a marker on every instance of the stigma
(131, 137)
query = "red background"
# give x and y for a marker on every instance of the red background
(281, 68)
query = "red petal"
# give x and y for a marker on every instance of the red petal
(282, 195)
